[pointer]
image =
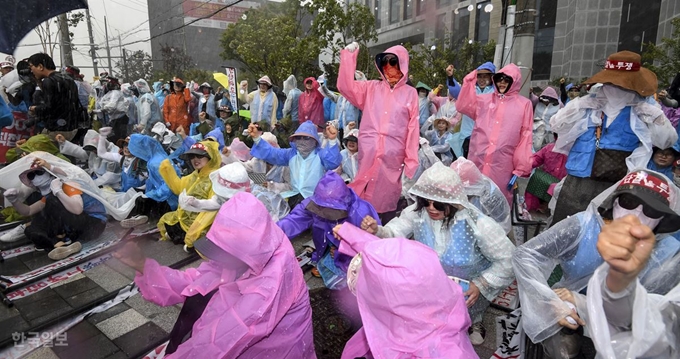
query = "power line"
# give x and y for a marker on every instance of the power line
(186, 24)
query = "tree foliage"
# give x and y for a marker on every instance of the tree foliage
(48, 32)
(275, 40)
(138, 65)
(664, 59)
(429, 61)
(175, 62)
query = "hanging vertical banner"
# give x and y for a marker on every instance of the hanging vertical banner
(231, 74)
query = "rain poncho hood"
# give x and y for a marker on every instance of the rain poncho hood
(315, 84)
(502, 143)
(218, 135)
(306, 129)
(488, 66)
(117, 204)
(332, 192)
(148, 149)
(389, 130)
(289, 84)
(483, 193)
(550, 92)
(421, 85)
(401, 320)
(442, 184)
(263, 312)
(143, 86)
(402, 54)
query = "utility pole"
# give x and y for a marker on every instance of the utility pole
(523, 49)
(122, 51)
(65, 41)
(93, 54)
(108, 48)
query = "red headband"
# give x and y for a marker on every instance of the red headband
(622, 65)
(233, 185)
(644, 180)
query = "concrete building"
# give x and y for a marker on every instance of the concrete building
(200, 39)
(573, 37)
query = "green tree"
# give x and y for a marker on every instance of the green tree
(337, 24)
(138, 65)
(274, 40)
(664, 59)
(428, 61)
(175, 63)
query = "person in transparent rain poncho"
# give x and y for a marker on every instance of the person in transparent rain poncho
(426, 158)
(628, 320)
(148, 109)
(436, 130)
(483, 193)
(571, 244)
(409, 307)
(104, 172)
(248, 299)
(471, 246)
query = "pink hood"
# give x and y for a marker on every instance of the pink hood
(264, 312)
(550, 92)
(403, 320)
(402, 55)
(513, 71)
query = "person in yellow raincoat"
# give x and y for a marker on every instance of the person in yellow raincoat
(204, 157)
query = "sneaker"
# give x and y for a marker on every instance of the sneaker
(64, 251)
(14, 235)
(477, 333)
(134, 221)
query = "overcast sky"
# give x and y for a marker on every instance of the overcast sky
(129, 17)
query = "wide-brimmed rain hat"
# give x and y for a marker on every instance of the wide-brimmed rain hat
(265, 80)
(23, 177)
(624, 69)
(230, 180)
(652, 190)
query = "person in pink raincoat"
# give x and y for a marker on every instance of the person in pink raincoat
(389, 126)
(409, 307)
(553, 163)
(310, 104)
(248, 300)
(501, 140)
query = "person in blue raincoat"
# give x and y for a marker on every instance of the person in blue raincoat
(292, 93)
(206, 100)
(160, 92)
(662, 160)
(150, 150)
(461, 139)
(333, 203)
(307, 160)
(425, 106)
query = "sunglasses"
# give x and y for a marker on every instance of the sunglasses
(501, 78)
(193, 156)
(32, 175)
(630, 202)
(389, 59)
(424, 203)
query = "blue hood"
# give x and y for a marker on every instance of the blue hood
(487, 66)
(454, 90)
(308, 129)
(157, 86)
(151, 151)
(217, 133)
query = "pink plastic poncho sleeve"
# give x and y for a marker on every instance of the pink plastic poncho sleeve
(521, 159)
(412, 141)
(468, 101)
(353, 91)
(163, 285)
(353, 239)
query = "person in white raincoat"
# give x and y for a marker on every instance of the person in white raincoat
(546, 107)
(148, 109)
(571, 244)
(104, 172)
(470, 245)
(483, 193)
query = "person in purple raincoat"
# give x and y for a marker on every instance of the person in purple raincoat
(246, 301)
(332, 203)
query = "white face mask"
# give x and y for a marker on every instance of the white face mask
(620, 212)
(422, 94)
(42, 182)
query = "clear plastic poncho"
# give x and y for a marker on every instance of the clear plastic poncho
(571, 243)
(117, 204)
(483, 193)
(114, 104)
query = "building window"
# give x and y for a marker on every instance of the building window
(442, 3)
(408, 9)
(544, 39)
(639, 24)
(440, 27)
(394, 11)
(376, 13)
(482, 22)
(460, 30)
(421, 7)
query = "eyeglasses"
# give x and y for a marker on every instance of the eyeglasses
(665, 154)
(389, 59)
(629, 201)
(32, 175)
(503, 78)
(424, 203)
(574, 89)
